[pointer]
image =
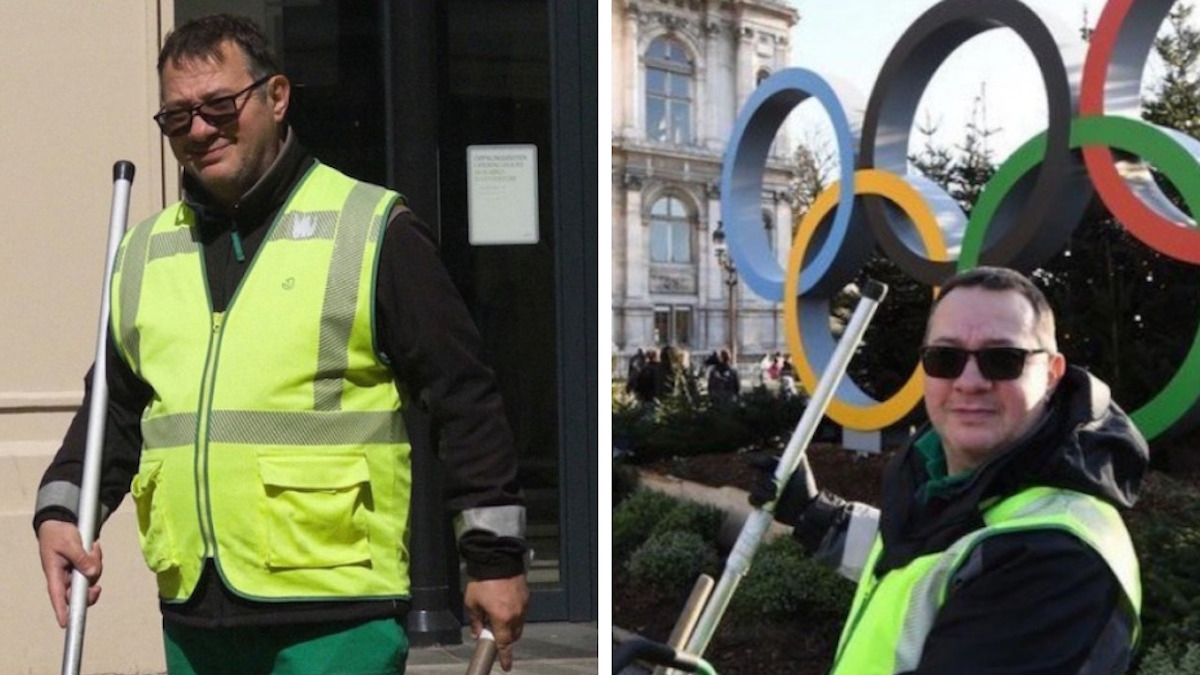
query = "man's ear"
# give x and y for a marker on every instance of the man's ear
(1057, 368)
(279, 93)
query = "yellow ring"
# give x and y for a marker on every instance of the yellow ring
(899, 192)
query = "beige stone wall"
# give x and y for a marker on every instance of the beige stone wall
(78, 89)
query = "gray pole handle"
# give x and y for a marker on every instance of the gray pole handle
(485, 654)
(755, 527)
(89, 489)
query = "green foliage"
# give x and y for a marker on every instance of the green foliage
(1175, 100)
(686, 516)
(1165, 528)
(1172, 659)
(669, 562)
(630, 419)
(1170, 579)
(783, 583)
(887, 356)
(646, 513)
(964, 170)
(1117, 304)
(625, 482)
(634, 520)
(683, 425)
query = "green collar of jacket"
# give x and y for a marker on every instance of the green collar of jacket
(940, 484)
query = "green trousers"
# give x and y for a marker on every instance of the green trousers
(372, 648)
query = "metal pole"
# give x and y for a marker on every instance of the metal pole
(484, 655)
(89, 489)
(756, 524)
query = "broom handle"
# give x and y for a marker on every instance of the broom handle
(485, 654)
(756, 524)
(89, 489)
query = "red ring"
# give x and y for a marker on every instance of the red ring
(1177, 240)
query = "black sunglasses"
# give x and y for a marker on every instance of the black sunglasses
(216, 112)
(995, 363)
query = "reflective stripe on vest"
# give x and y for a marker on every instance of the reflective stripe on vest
(891, 617)
(273, 443)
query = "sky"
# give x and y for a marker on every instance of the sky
(850, 39)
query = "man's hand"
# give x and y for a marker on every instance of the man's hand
(61, 549)
(800, 491)
(499, 604)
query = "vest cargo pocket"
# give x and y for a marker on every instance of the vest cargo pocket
(154, 531)
(316, 510)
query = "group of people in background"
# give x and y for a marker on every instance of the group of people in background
(655, 374)
(779, 368)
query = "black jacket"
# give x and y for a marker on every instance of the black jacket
(1040, 601)
(435, 352)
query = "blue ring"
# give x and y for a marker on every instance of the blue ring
(742, 180)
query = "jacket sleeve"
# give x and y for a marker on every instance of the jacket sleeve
(128, 395)
(436, 353)
(838, 533)
(1032, 602)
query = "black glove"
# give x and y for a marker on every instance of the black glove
(798, 494)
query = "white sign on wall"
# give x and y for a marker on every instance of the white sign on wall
(502, 194)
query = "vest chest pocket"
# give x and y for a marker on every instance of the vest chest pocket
(316, 510)
(154, 531)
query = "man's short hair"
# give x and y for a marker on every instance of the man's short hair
(1005, 279)
(201, 39)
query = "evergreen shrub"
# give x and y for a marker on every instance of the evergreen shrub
(783, 584)
(669, 562)
(634, 519)
(1174, 659)
(625, 482)
(1165, 528)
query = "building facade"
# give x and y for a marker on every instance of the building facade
(681, 71)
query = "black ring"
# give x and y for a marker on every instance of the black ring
(1029, 227)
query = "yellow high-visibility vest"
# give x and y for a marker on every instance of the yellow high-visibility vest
(273, 443)
(891, 616)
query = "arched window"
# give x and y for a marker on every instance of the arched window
(670, 232)
(669, 74)
(762, 75)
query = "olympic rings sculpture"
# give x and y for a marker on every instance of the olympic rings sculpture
(1025, 213)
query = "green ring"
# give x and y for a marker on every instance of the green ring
(1180, 394)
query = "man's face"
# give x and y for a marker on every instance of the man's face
(975, 416)
(227, 159)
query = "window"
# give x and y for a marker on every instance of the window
(669, 74)
(762, 75)
(769, 228)
(670, 232)
(673, 326)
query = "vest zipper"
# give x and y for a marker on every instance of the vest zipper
(203, 495)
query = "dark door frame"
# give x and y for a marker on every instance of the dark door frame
(411, 77)
(574, 83)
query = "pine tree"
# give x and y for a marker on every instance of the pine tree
(964, 169)
(1175, 101)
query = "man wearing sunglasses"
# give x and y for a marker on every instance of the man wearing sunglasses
(997, 547)
(267, 332)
